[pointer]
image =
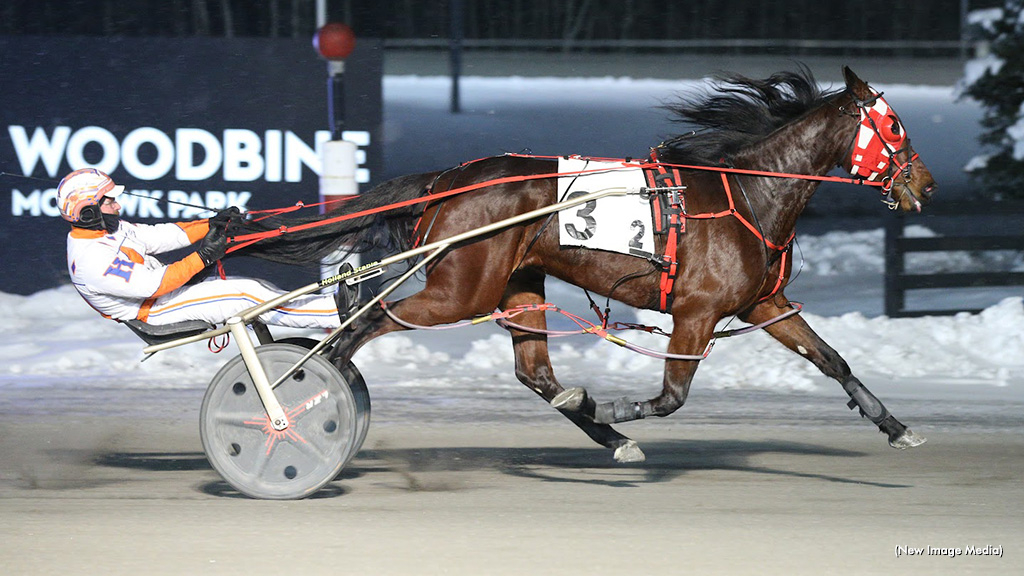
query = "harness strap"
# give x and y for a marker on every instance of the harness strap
(416, 238)
(240, 241)
(784, 248)
(669, 218)
(749, 172)
(671, 268)
(735, 213)
(782, 272)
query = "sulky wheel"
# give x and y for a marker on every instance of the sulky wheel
(361, 394)
(359, 391)
(261, 462)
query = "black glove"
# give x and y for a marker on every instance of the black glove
(213, 246)
(224, 216)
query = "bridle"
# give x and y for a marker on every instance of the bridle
(877, 142)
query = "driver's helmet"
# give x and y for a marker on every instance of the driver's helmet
(81, 189)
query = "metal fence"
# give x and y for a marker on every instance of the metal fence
(731, 45)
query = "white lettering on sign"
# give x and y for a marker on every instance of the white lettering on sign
(91, 135)
(242, 159)
(240, 155)
(164, 153)
(49, 150)
(36, 203)
(186, 142)
(138, 204)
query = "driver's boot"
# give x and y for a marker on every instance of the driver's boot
(347, 296)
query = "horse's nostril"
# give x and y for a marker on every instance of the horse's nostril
(929, 190)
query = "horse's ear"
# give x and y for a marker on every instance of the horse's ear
(854, 84)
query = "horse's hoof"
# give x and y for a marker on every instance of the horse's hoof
(907, 440)
(571, 400)
(629, 452)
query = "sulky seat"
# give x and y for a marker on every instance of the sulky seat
(158, 334)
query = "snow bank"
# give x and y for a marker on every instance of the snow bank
(54, 339)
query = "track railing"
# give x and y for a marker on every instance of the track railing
(974, 227)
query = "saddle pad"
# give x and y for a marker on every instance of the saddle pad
(619, 224)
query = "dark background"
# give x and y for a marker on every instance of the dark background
(121, 84)
(502, 20)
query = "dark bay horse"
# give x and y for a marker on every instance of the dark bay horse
(783, 124)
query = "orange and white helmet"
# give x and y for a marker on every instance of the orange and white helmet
(82, 188)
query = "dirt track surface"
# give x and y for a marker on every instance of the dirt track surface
(116, 495)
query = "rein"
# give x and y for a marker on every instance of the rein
(246, 239)
(243, 240)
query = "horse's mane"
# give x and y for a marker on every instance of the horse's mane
(738, 112)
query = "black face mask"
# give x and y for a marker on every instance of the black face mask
(111, 222)
(91, 218)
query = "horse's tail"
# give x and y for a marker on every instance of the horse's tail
(389, 230)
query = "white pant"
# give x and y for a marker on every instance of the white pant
(216, 300)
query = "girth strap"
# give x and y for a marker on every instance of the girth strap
(668, 209)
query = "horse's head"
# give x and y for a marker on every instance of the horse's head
(881, 150)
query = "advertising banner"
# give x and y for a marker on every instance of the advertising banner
(183, 123)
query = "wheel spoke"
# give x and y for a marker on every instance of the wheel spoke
(311, 449)
(263, 457)
(239, 419)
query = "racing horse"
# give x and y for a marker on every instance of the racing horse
(727, 266)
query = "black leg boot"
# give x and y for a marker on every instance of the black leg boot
(347, 297)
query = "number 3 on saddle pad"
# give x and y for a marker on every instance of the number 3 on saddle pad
(615, 224)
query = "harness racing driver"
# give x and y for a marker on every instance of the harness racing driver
(112, 266)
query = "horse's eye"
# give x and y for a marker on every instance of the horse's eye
(892, 129)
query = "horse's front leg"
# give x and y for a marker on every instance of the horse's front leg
(533, 364)
(690, 335)
(796, 335)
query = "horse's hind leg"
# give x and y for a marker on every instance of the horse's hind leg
(796, 335)
(533, 366)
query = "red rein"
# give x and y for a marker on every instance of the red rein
(240, 241)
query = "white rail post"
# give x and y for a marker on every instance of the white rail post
(338, 180)
(334, 42)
